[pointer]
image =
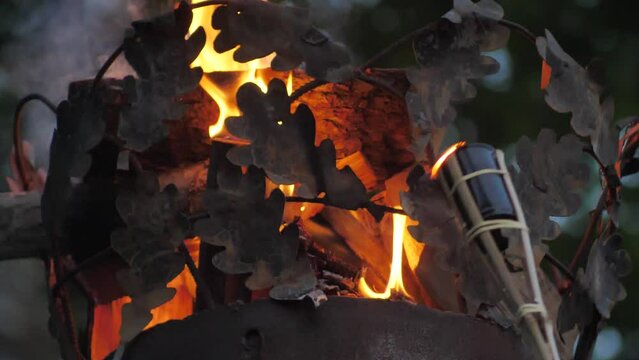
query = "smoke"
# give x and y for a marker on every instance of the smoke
(61, 41)
(57, 42)
(334, 15)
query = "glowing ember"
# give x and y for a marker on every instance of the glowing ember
(211, 61)
(395, 282)
(288, 190)
(442, 159)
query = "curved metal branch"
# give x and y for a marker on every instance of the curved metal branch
(107, 64)
(378, 82)
(306, 88)
(328, 203)
(520, 29)
(17, 133)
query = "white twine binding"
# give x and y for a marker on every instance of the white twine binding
(530, 264)
(538, 307)
(530, 308)
(489, 225)
(475, 174)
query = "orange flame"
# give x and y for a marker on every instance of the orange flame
(442, 159)
(288, 190)
(395, 282)
(211, 61)
(107, 318)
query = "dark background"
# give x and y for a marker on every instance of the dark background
(45, 44)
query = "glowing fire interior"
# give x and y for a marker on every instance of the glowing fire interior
(107, 317)
(211, 61)
(395, 281)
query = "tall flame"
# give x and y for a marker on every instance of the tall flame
(211, 61)
(395, 282)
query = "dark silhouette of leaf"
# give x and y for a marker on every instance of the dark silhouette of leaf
(576, 307)
(148, 245)
(547, 178)
(342, 187)
(438, 225)
(607, 263)
(80, 127)
(158, 52)
(283, 144)
(137, 313)
(598, 287)
(247, 225)
(441, 229)
(572, 89)
(258, 28)
(449, 55)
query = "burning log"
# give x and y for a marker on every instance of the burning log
(357, 116)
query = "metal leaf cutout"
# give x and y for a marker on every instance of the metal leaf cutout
(80, 127)
(607, 262)
(449, 54)
(247, 224)
(149, 241)
(572, 89)
(283, 144)
(258, 28)
(440, 228)
(158, 52)
(548, 176)
(598, 286)
(438, 225)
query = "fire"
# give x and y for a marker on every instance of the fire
(211, 61)
(442, 159)
(288, 190)
(395, 282)
(107, 318)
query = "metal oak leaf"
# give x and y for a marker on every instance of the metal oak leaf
(596, 287)
(137, 313)
(547, 178)
(258, 28)
(80, 127)
(440, 228)
(283, 144)
(449, 52)
(153, 232)
(161, 56)
(247, 224)
(607, 262)
(572, 89)
(342, 187)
